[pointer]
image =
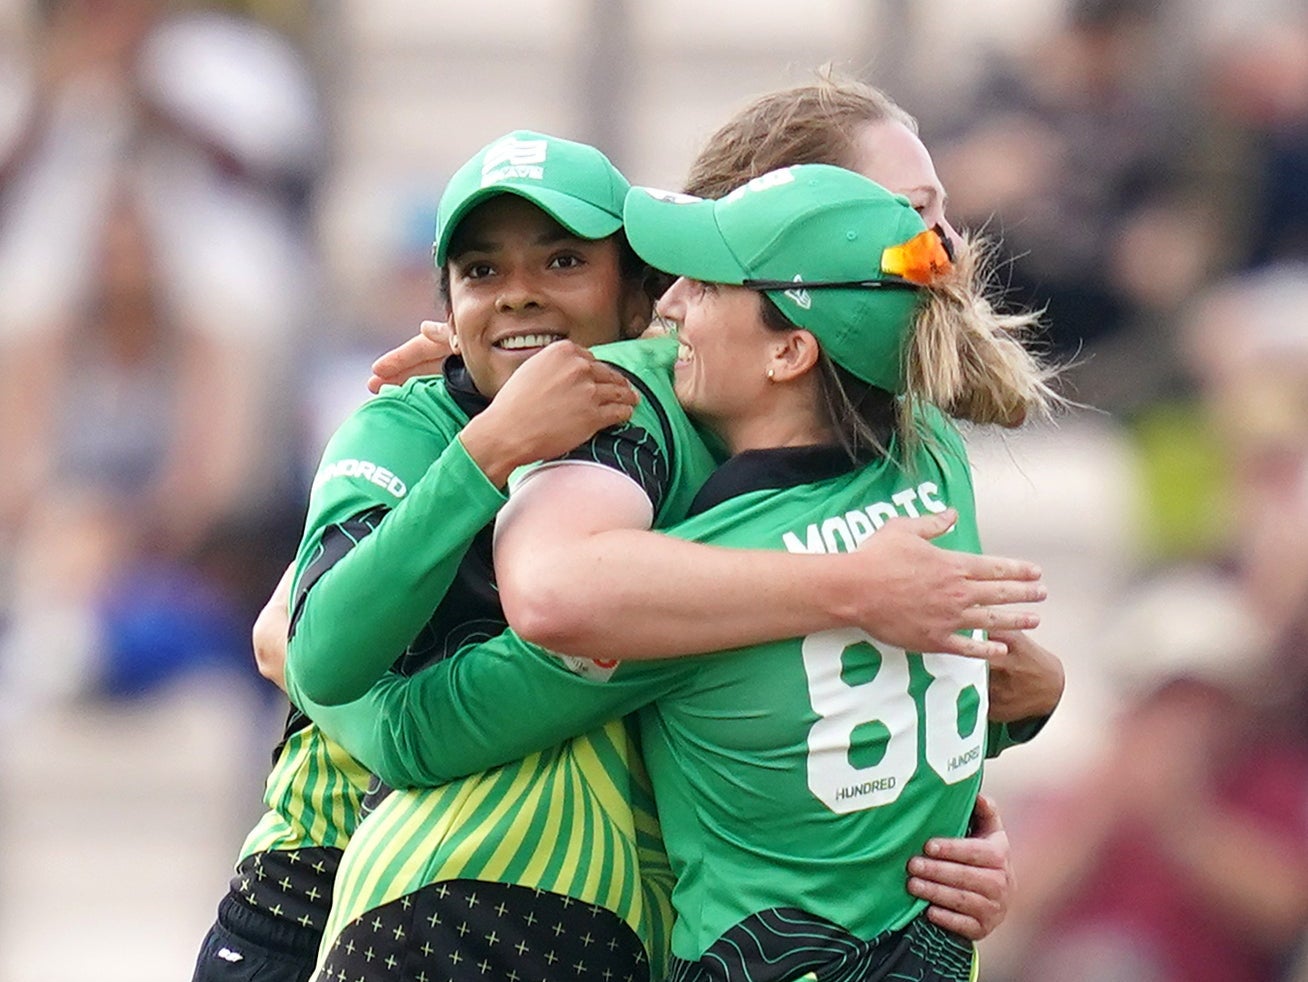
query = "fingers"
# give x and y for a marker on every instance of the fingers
(998, 619)
(614, 403)
(928, 526)
(388, 364)
(985, 817)
(957, 856)
(975, 911)
(437, 331)
(970, 647)
(614, 414)
(986, 592)
(416, 356)
(416, 370)
(999, 568)
(604, 372)
(621, 392)
(960, 924)
(966, 880)
(420, 355)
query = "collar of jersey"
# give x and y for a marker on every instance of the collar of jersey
(775, 469)
(459, 385)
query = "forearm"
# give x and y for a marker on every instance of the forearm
(483, 707)
(360, 615)
(637, 595)
(595, 582)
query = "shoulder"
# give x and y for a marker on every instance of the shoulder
(389, 441)
(421, 406)
(423, 394)
(941, 440)
(644, 357)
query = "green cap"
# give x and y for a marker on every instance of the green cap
(826, 230)
(573, 183)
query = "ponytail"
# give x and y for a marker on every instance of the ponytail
(969, 359)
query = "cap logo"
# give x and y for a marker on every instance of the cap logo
(763, 182)
(800, 296)
(514, 158)
(672, 197)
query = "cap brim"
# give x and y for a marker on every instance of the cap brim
(581, 218)
(680, 237)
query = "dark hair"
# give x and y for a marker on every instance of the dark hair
(861, 415)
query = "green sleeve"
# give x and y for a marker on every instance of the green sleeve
(486, 705)
(361, 597)
(1001, 736)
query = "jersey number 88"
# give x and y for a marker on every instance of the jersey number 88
(886, 699)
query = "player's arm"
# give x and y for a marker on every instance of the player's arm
(579, 572)
(391, 516)
(367, 587)
(968, 880)
(423, 354)
(484, 706)
(268, 636)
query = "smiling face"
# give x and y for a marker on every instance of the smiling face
(723, 353)
(518, 280)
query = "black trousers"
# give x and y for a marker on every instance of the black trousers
(479, 930)
(245, 944)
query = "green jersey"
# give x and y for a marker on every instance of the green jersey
(395, 568)
(802, 775)
(396, 458)
(794, 776)
(576, 819)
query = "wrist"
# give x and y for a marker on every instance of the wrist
(834, 592)
(495, 453)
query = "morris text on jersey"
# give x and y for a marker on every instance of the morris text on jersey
(845, 532)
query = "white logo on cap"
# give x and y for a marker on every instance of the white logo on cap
(514, 158)
(672, 197)
(772, 179)
(801, 296)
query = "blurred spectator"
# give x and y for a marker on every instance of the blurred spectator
(154, 270)
(1249, 340)
(1077, 155)
(387, 285)
(1184, 856)
(1223, 466)
(1258, 88)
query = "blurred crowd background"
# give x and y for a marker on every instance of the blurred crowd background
(214, 216)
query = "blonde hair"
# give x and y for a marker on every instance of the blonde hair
(969, 359)
(965, 357)
(807, 124)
